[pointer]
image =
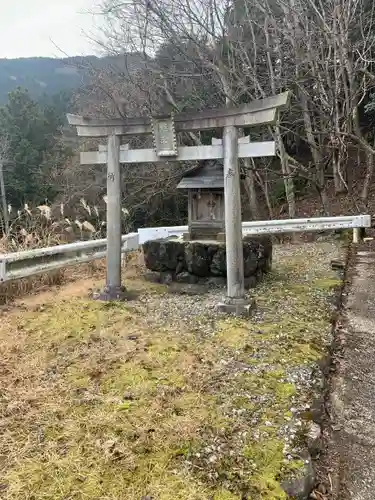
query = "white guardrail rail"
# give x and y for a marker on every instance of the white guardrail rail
(270, 226)
(18, 265)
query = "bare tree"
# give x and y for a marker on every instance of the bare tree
(333, 44)
(200, 53)
(210, 55)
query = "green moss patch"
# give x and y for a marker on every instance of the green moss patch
(120, 402)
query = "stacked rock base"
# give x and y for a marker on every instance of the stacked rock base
(205, 261)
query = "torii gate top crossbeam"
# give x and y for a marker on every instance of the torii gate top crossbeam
(255, 113)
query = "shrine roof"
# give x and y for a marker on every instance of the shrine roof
(210, 175)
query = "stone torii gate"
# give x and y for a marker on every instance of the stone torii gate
(164, 130)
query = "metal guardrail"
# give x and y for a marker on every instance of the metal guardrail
(308, 224)
(18, 265)
(270, 226)
(154, 233)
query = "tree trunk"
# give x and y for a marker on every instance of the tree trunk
(325, 201)
(338, 175)
(368, 177)
(249, 183)
(287, 174)
(264, 187)
(315, 152)
(289, 192)
(322, 192)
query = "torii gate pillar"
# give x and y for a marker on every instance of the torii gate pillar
(113, 289)
(235, 301)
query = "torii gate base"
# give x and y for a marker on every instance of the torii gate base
(238, 307)
(111, 293)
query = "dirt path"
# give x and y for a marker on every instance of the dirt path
(353, 396)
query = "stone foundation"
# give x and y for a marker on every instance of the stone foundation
(193, 261)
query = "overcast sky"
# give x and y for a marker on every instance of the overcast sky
(46, 28)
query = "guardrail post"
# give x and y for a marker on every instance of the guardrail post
(3, 269)
(113, 289)
(235, 301)
(356, 235)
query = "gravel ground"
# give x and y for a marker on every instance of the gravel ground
(306, 265)
(192, 303)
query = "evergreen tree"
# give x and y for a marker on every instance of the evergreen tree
(34, 148)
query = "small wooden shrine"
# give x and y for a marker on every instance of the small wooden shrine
(205, 185)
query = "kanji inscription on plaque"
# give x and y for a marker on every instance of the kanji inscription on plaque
(164, 136)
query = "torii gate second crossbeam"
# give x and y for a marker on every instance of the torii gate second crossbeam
(164, 130)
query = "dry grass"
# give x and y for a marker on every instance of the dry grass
(104, 401)
(44, 226)
(12, 290)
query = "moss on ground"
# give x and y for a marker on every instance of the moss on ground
(96, 404)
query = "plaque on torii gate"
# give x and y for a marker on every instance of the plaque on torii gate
(164, 130)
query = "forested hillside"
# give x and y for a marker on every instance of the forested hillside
(50, 76)
(39, 75)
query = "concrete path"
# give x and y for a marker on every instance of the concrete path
(353, 396)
